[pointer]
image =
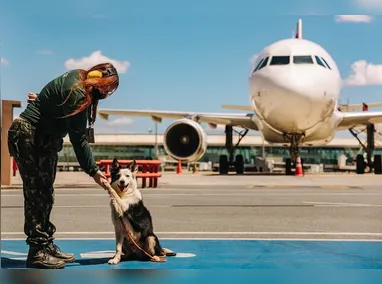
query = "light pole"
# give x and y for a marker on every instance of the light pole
(156, 141)
(150, 131)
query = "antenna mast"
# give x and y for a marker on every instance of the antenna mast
(299, 29)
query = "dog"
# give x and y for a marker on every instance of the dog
(135, 216)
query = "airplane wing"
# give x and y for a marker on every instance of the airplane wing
(236, 107)
(356, 119)
(346, 107)
(243, 120)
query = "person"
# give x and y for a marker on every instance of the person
(67, 105)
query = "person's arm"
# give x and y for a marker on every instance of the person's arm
(77, 136)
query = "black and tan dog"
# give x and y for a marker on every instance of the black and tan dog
(130, 214)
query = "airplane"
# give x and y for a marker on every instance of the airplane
(294, 91)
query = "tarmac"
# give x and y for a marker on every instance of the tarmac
(246, 221)
(208, 179)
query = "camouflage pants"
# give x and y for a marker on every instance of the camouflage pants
(36, 157)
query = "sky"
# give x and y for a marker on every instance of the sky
(180, 55)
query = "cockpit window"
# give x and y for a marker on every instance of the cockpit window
(279, 60)
(326, 63)
(264, 63)
(303, 59)
(258, 65)
(319, 62)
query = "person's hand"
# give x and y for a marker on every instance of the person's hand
(100, 179)
(31, 97)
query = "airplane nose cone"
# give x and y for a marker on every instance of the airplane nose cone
(290, 102)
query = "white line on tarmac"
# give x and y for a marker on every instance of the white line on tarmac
(218, 239)
(17, 207)
(257, 193)
(338, 204)
(214, 187)
(12, 252)
(79, 206)
(225, 233)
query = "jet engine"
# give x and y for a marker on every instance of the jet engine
(185, 140)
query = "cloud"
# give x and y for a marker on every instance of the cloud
(99, 16)
(45, 52)
(364, 73)
(94, 58)
(4, 61)
(354, 18)
(120, 121)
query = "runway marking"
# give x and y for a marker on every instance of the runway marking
(238, 205)
(240, 187)
(338, 204)
(338, 187)
(225, 233)
(111, 253)
(78, 206)
(305, 204)
(13, 252)
(218, 254)
(93, 254)
(304, 186)
(215, 239)
(258, 193)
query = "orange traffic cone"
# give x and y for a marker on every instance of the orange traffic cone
(179, 168)
(299, 171)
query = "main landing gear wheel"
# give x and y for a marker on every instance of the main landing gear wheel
(239, 164)
(370, 164)
(378, 164)
(223, 164)
(362, 166)
(288, 167)
(226, 162)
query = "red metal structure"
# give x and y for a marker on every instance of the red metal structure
(149, 170)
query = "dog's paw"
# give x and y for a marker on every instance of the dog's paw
(114, 260)
(168, 252)
(156, 258)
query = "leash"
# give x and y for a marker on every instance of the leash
(153, 258)
(118, 199)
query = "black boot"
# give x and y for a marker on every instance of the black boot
(55, 251)
(39, 257)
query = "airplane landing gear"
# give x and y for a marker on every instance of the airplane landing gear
(224, 162)
(370, 164)
(295, 140)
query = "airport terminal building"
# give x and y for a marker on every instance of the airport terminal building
(143, 146)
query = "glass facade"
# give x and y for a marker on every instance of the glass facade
(311, 155)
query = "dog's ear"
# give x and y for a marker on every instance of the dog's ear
(115, 164)
(133, 167)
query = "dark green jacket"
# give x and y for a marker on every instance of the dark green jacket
(45, 110)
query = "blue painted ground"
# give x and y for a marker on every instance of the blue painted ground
(218, 254)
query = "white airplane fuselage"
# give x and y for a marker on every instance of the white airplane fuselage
(295, 91)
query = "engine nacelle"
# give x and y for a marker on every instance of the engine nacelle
(185, 140)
